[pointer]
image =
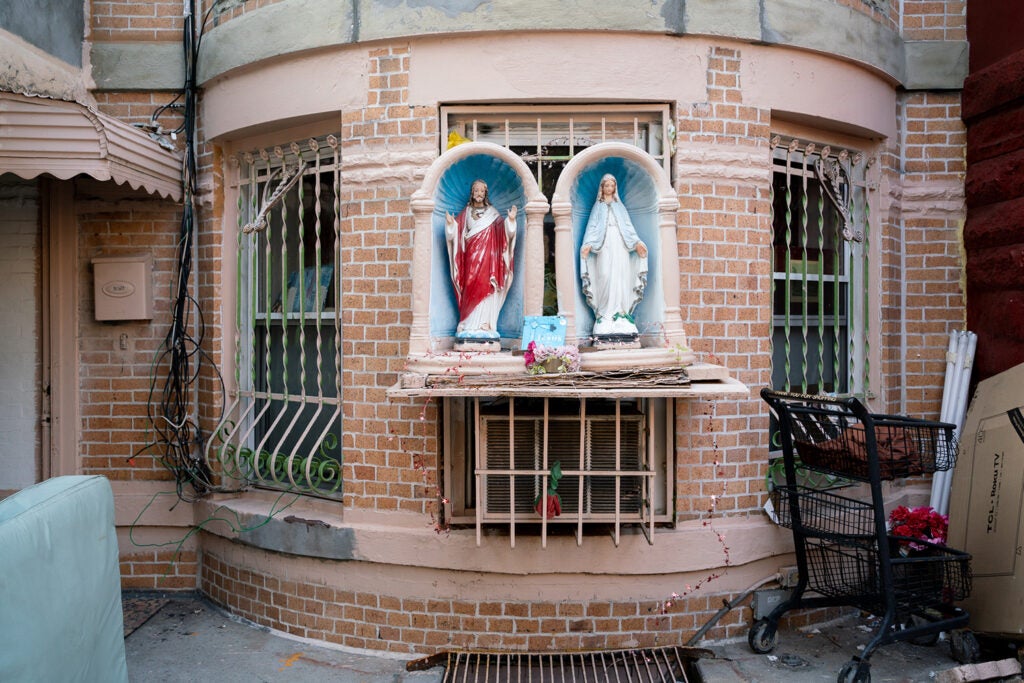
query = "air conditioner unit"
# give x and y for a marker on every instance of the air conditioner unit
(594, 477)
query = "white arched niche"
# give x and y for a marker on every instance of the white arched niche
(652, 204)
(445, 189)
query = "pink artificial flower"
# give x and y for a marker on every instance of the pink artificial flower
(528, 356)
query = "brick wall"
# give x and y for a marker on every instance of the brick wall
(118, 358)
(390, 446)
(140, 108)
(117, 371)
(932, 149)
(935, 19)
(380, 619)
(724, 245)
(129, 20)
(725, 265)
(161, 569)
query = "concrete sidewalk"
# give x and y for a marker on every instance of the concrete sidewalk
(817, 654)
(189, 639)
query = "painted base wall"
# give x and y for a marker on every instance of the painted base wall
(414, 611)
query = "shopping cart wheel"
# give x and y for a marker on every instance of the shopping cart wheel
(763, 636)
(925, 640)
(855, 671)
(964, 647)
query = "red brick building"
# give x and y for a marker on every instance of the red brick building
(797, 169)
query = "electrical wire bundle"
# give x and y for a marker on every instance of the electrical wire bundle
(178, 436)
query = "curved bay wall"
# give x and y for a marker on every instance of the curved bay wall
(408, 590)
(734, 73)
(861, 31)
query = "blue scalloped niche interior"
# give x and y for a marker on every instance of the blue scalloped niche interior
(639, 194)
(505, 188)
(637, 190)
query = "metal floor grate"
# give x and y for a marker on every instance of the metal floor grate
(674, 664)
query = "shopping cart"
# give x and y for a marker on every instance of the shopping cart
(845, 554)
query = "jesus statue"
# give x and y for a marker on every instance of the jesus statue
(480, 247)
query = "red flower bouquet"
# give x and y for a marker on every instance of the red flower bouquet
(554, 503)
(554, 506)
(921, 523)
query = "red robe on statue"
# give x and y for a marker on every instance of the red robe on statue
(481, 262)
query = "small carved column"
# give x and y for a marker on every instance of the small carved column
(565, 267)
(419, 332)
(674, 333)
(533, 253)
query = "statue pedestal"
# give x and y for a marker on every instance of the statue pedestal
(477, 345)
(620, 358)
(459, 362)
(616, 341)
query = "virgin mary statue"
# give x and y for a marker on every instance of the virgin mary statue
(613, 264)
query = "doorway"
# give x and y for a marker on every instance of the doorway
(21, 344)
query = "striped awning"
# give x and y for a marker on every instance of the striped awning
(66, 139)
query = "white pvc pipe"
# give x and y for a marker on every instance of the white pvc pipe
(942, 480)
(903, 305)
(947, 398)
(954, 412)
(959, 410)
(953, 361)
(952, 355)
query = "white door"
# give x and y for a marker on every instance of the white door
(20, 334)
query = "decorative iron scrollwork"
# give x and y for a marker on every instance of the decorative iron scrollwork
(835, 181)
(270, 199)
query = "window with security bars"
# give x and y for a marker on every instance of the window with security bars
(615, 456)
(283, 427)
(577, 452)
(606, 460)
(820, 293)
(546, 137)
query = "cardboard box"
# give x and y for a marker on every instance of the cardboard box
(985, 507)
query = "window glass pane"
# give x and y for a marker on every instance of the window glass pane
(813, 223)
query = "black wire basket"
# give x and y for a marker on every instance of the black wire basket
(934, 577)
(837, 442)
(823, 514)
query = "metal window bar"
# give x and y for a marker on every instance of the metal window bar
(541, 127)
(532, 443)
(820, 254)
(547, 136)
(282, 426)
